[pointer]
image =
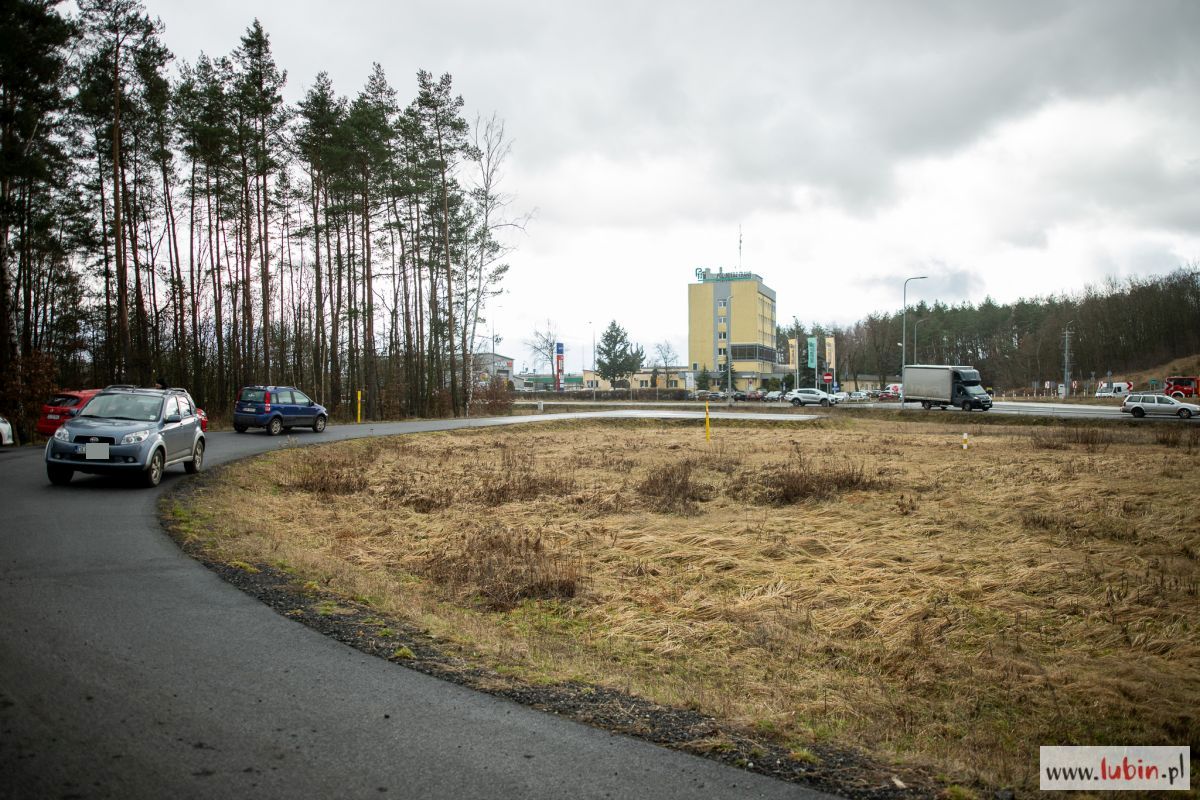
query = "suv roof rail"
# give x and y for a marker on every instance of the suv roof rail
(119, 386)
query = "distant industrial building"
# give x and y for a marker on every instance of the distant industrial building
(487, 366)
(731, 315)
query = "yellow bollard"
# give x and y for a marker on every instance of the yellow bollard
(966, 441)
(707, 429)
(359, 393)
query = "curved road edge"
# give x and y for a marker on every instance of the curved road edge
(129, 670)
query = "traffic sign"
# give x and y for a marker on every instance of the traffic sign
(828, 377)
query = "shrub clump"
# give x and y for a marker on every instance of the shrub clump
(502, 567)
(517, 479)
(339, 475)
(1094, 440)
(670, 488)
(801, 479)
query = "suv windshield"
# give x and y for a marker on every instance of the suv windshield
(144, 407)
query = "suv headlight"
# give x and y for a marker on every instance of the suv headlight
(136, 437)
(62, 435)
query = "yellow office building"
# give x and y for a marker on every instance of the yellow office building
(732, 314)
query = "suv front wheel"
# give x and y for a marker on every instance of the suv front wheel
(59, 476)
(153, 473)
(319, 423)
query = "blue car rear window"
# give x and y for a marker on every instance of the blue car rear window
(252, 395)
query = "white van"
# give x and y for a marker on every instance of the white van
(1114, 389)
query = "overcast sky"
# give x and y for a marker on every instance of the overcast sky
(1002, 148)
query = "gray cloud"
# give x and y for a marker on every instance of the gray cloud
(830, 100)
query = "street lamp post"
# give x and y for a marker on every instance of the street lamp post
(904, 334)
(1066, 359)
(916, 356)
(595, 380)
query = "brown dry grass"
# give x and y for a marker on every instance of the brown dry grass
(946, 607)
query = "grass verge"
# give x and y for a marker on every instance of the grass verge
(853, 585)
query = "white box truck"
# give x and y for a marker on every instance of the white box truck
(945, 386)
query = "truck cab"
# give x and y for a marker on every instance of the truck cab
(1181, 386)
(967, 390)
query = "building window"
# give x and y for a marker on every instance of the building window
(750, 352)
(721, 335)
(672, 384)
(720, 351)
(643, 384)
(695, 366)
(721, 303)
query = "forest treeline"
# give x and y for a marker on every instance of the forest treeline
(179, 220)
(1121, 326)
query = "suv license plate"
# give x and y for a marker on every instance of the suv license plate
(97, 451)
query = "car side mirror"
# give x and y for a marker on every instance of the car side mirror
(74, 412)
(173, 418)
(310, 403)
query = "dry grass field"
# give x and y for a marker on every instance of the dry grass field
(858, 582)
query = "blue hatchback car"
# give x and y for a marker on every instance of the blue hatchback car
(277, 408)
(125, 430)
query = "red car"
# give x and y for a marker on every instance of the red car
(203, 419)
(59, 408)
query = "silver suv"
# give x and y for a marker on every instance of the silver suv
(125, 430)
(807, 397)
(1142, 404)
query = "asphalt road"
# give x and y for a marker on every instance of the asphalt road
(128, 670)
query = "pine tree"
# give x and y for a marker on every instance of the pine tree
(262, 112)
(616, 357)
(32, 67)
(440, 113)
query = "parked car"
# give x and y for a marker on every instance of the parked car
(6, 432)
(738, 394)
(859, 397)
(841, 397)
(128, 431)
(1140, 405)
(810, 397)
(277, 408)
(754, 394)
(773, 396)
(61, 407)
